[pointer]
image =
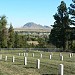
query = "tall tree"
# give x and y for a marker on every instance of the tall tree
(11, 37)
(3, 32)
(72, 22)
(17, 39)
(72, 12)
(58, 34)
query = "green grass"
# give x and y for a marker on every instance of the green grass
(48, 67)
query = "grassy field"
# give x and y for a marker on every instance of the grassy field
(48, 67)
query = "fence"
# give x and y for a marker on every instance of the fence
(39, 49)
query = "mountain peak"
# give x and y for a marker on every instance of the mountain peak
(32, 25)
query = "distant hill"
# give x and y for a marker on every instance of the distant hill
(32, 25)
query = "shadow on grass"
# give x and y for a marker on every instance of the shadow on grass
(29, 67)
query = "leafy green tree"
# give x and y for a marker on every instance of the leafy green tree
(58, 36)
(3, 32)
(11, 37)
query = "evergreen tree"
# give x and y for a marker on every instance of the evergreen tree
(3, 32)
(72, 22)
(16, 42)
(72, 12)
(58, 35)
(11, 37)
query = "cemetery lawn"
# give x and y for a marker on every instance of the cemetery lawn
(47, 66)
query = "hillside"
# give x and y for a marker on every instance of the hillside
(32, 25)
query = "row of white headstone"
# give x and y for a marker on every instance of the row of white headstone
(70, 55)
(50, 56)
(61, 67)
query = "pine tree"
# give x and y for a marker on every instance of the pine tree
(3, 32)
(72, 22)
(58, 35)
(11, 37)
(72, 12)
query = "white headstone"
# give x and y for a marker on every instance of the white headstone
(5, 58)
(61, 69)
(41, 55)
(38, 64)
(1, 57)
(61, 58)
(19, 54)
(50, 56)
(25, 60)
(70, 55)
(33, 55)
(13, 59)
(51, 53)
(60, 54)
(24, 54)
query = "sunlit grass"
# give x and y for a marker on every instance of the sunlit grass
(48, 66)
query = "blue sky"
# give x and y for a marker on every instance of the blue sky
(19, 12)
